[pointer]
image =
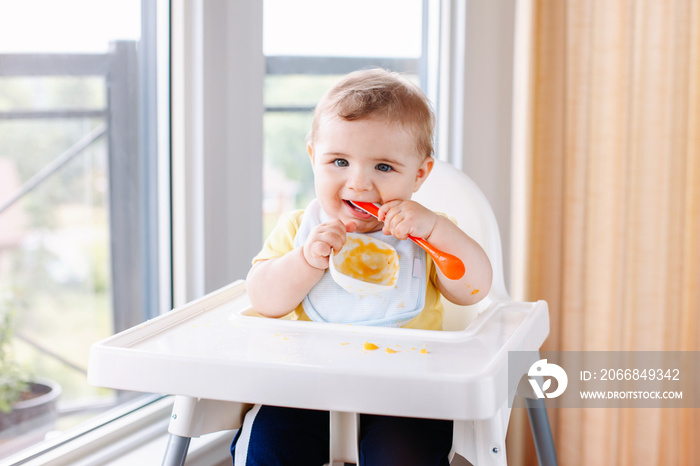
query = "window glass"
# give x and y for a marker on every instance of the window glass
(74, 190)
(343, 28)
(309, 45)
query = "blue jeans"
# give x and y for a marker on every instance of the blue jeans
(289, 437)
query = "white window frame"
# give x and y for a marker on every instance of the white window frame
(217, 108)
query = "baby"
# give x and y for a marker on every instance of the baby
(371, 140)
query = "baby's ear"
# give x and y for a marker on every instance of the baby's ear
(423, 171)
(310, 150)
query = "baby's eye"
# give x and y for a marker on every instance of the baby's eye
(341, 162)
(382, 167)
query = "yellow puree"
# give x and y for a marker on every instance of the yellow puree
(369, 263)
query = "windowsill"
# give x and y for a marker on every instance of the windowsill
(139, 437)
(208, 450)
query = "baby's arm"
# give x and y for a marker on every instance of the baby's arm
(277, 286)
(403, 218)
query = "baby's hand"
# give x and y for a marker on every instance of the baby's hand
(404, 218)
(323, 239)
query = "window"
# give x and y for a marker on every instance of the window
(83, 226)
(308, 45)
(85, 174)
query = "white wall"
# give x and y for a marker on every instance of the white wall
(476, 100)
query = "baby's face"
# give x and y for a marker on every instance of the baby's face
(364, 160)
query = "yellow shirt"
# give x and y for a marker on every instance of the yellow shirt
(281, 241)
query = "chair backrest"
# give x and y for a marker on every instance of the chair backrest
(452, 192)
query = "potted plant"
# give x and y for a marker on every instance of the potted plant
(26, 402)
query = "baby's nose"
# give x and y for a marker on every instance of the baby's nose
(360, 181)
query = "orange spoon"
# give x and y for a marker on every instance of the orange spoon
(451, 266)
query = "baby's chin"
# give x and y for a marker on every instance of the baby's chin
(365, 227)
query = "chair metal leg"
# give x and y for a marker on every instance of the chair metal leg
(541, 432)
(176, 451)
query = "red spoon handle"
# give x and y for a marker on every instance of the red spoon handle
(451, 266)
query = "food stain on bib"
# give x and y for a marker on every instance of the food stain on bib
(369, 262)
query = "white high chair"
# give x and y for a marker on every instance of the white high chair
(218, 358)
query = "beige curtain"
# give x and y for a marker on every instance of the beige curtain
(614, 189)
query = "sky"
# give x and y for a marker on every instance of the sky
(292, 27)
(369, 28)
(69, 26)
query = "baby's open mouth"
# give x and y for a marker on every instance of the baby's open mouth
(363, 213)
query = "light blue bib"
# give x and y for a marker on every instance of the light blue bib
(328, 302)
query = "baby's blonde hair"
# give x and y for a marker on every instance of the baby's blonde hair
(378, 93)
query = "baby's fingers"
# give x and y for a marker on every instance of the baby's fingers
(331, 233)
(316, 254)
(399, 227)
(335, 234)
(319, 249)
(393, 219)
(387, 210)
